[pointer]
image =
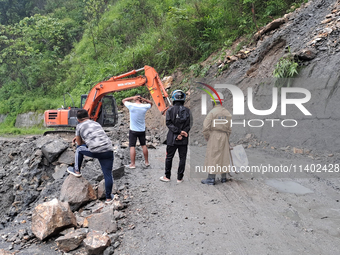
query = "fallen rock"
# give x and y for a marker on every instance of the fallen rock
(77, 192)
(297, 151)
(79, 219)
(71, 240)
(104, 221)
(271, 26)
(41, 141)
(307, 54)
(167, 81)
(151, 145)
(117, 205)
(67, 157)
(109, 251)
(325, 21)
(53, 149)
(59, 171)
(118, 215)
(96, 242)
(101, 189)
(118, 172)
(51, 217)
(124, 145)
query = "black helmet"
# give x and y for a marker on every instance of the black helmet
(178, 95)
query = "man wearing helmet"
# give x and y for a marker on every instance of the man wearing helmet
(178, 122)
(217, 135)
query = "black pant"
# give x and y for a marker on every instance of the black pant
(170, 153)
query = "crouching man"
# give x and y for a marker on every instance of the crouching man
(93, 142)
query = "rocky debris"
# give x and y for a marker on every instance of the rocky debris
(124, 145)
(269, 27)
(307, 54)
(53, 149)
(77, 192)
(4, 252)
(167, 81)
(71, 240)
(101, 190)
(103, 221)
(118, 173)
(67, 157)
(118, 215)
(59, 171)
(96, 242)
(298, 151)
(50, 218)
(241, 54)
(42, 140)
(28, 179)
(109, 251)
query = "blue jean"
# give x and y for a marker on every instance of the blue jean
(106, 163)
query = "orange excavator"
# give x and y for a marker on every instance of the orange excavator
(102, 107)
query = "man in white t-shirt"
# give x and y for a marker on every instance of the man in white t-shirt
(137, 126)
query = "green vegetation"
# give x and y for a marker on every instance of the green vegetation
(286, 68)
(22, 131)
(52, 47)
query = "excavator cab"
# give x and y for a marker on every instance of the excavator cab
(108, 114)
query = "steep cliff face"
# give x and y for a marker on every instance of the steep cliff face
(311, 34)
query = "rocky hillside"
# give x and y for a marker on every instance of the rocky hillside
(311, 36)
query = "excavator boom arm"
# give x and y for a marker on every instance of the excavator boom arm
(151, 80)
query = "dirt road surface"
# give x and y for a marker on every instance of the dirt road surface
(253, 214)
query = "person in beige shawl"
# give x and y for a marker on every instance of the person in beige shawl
(216, 130)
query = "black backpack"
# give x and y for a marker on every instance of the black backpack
(182, 114)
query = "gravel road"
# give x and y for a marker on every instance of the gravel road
(253, 214)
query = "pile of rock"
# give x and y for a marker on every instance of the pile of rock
(40, 202)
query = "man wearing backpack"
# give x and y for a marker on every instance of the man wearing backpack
(178, 122)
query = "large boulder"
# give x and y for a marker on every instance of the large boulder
(71, 240)
(53, 149)
(41, 141)
(104, 221)
(96, 242)
(77, 191)
(67, 157)
(51, 217)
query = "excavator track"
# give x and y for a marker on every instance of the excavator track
(57, 132)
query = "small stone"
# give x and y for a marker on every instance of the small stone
(297, 151)
(96, 242)
(116, 244)
(326, 21)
